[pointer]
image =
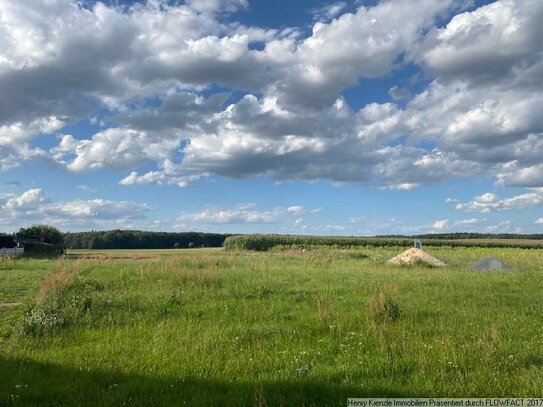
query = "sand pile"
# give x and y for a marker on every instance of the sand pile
(416, 256)
(489, 263)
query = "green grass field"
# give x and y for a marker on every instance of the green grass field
(207, 327)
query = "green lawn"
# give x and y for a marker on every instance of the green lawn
(208, 327)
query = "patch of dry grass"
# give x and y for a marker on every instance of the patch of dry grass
(61, 278)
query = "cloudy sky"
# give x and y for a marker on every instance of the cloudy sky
(355, 117)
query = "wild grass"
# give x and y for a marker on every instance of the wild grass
(208, 327)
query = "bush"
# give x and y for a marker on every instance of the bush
(7, 241)
(40, 319)
(44, 233)
(383, 306)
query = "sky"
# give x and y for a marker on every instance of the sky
(352, 117)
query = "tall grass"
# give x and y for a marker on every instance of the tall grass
(63, 297)
(276, 328)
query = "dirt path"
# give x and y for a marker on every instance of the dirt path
(10, 304)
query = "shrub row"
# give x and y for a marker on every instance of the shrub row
(266, 242)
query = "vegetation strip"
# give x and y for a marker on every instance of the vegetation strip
(267, 242)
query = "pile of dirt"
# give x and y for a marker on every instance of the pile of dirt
(416, 256)
(489, 263)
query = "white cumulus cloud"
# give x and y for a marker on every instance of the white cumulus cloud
(147, 65)
(32, 206)
(241, 214)
(490, 202)
(440, 224)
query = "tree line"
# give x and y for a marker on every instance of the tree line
(138, 239)
(45, 235)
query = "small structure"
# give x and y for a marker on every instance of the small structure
(417, 244)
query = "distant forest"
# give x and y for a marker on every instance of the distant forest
(137, 239)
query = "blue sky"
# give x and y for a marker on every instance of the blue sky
(306, 117)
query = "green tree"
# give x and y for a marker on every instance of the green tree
(48, 234)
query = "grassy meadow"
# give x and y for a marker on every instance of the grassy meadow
(208, 327)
